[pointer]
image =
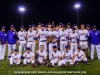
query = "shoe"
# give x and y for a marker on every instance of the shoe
(17, 65)
(51, 65)
(63, 65)
(24, 65)
(71, 64)
(11, 66)
(34, 65)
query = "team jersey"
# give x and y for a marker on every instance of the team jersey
(56, 54)
(73, 37)
(67, 55)
(31, 35)
(42, 35)
(41, 55)
(83, 34)
(63, 35)
(69, 30)
(80, 54)
(28, 55)
(21, 35)
(16, 56)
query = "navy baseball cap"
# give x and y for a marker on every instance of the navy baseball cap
(73, 28)
(12, 26)
(33, 25)
(68, 24)
(60, 23)
(39, 23)
(16, 49)
(88, 25)
(67, 46)
(46, 25)
(49, 23)
(42, 25)
(54, 46)
(94, 26)
(75, 24)
(28, 48)
(79, 47)
(21, 26)
(30, 26)
(52, 26)
(3, 27)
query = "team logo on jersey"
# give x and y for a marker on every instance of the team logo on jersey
(96, 33)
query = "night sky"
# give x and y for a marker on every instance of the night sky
(45, 11)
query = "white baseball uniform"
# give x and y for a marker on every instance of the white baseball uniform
(41, 55)
(63, 40)
(28, 57)
(54, 57)
(83, 36)
(14, 58)
(42, 39)
(68, 30)
(22, 41)
(30, 38)
(51, 44)
(73, 41)
(67, 58)
(80, 56)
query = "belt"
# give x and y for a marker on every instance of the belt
(73, 42)
(83, 40)
(62, 40)
(43, 41)
(30, 41)
(22, 40)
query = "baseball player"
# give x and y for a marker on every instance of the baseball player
(15, 58)
(55, 39)
(63, 38)
(38, 28)
(22, 39)
(29, 57)
(41, 56)
(95, 42)
(42, 36)
(73, 40)
(76, 28)
(49, 26)
(88, 27)
(55, 56)
(60, 26)
(83, 37)
(11, 39)
(69, 30)
(2, 42)
(67, 56)
(79, 55)
(31, 36)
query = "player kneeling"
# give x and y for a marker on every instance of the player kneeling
(79, 55)
(29, 57)
(55, 56)
(67, 57)
(15, 58)
(41, 56)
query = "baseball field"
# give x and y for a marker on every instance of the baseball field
(80, 69)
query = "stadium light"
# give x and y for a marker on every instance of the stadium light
(77, 6)
(22, 9)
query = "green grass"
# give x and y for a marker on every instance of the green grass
(93, 69)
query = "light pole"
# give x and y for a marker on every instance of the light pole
(77, 6)
(22, 9)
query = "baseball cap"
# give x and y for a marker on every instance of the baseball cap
(12, 26)
(79, 47)
(54, 46)
(33, 25)
(67, 46)
(94, 26)
(73, 28)
(49, 23)
(88, 25)
(30, 26)
(3, 27)
(16, 49)
(60, 23)
(75, 24)
(46, 25)
(39, 23)
(68, 24)
(52, 26)
(21, 26)
(28, 48)
(42, 25)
